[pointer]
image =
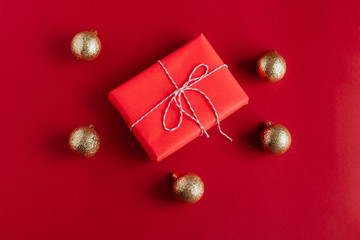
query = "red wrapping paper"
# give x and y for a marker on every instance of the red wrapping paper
(140, 94)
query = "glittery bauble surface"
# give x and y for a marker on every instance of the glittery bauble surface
(86, 45)
(275, 138)
(271, 66)
(188, 188)
(84, 141)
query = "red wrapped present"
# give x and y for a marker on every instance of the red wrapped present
(178, 98)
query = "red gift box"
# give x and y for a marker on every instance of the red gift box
(179, 94)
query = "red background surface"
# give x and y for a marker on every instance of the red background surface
(310, 192)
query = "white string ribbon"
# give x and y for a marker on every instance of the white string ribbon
(176, 98)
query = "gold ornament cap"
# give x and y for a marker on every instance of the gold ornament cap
(188, 188)
(84, 141)
(275, 138)
(271, 66)
(86, 45)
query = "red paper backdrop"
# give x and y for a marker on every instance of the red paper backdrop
(311, 192)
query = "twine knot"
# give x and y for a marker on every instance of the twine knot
(177, 95)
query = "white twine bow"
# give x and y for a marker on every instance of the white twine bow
(176, 98)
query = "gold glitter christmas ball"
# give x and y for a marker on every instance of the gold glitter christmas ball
(275, 138)
(271, 66)
(188, 187)
(86, 45)
(84, 141)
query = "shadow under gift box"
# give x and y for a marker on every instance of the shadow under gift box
(139, 95)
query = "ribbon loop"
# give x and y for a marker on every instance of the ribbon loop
(179, 93)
